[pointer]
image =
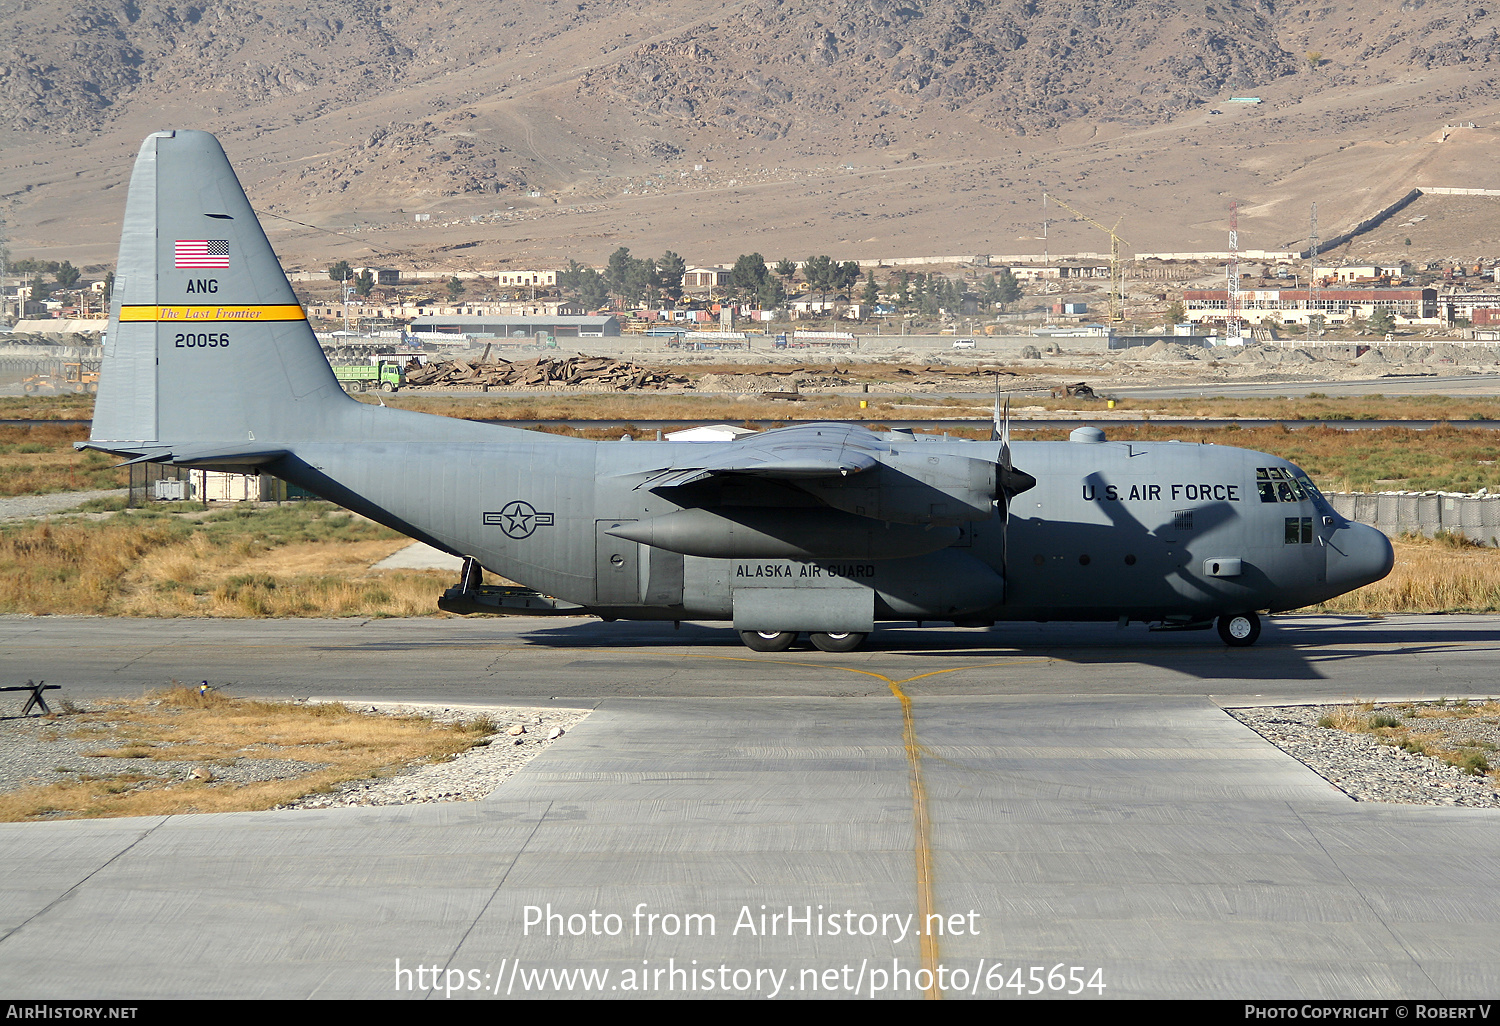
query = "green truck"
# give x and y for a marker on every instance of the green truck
(384, 374)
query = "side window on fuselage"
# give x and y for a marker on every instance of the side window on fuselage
(1299, 531)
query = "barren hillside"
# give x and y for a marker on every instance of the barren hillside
(875, 128)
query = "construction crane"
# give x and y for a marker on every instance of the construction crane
(1116, 269)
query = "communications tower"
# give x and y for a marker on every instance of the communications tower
(1312, 272)
(1233, 329)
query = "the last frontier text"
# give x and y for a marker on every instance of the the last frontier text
(806, 921)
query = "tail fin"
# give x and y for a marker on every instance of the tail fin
(207, 342)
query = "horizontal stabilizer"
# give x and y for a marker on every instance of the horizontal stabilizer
(204, 458)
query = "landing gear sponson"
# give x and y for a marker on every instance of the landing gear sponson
(1238, 630)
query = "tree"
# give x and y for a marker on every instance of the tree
(1176, 314)
(822, 275)
(749, 274)
(902, 292)
(1314, 59)
(872, 291)
(618, 271)
(67, 274)
(587, 285)
(640, 281)
(340, 271)
(568, 280)
(1381, 322)
(29, 266)
(786, 269)
(455, 287)
(364, 281)
(1009, 288)
(771, 294)
(109, 285)
(669, 271)
(592, 289)
(848, 273)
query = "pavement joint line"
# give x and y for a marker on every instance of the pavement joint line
(490, 900)
(87, 877)
(1355, 888)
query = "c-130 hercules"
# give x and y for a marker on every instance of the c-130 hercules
(818, 528)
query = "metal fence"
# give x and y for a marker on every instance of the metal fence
(1475, 517)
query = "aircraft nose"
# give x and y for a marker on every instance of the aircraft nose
(1358, 555)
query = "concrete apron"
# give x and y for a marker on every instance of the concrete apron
(1154, 840)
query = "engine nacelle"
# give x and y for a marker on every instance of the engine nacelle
(783, 533)
(913, 487)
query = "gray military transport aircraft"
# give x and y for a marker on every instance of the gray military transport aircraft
(818, 528)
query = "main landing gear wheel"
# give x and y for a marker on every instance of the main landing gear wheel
(768, 641)
(843, 641)
(1239, 629)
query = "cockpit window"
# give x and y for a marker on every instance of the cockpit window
(1276, 484)
(1308, 486)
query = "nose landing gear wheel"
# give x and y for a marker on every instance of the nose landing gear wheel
(843, 641)
(768, 641)
(1239, 629)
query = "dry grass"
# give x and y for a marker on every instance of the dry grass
(41, 459)
(302, 560)
(1438, 731)
(624, 407)
(1432, 575)
(79, 406)
(180, 725)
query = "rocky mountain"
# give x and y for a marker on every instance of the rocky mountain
(374, 106)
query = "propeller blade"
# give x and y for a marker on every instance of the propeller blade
(1005, 438)
(995, 431)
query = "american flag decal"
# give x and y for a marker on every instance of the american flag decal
(211, 254)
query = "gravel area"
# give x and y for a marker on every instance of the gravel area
(37, 751)
(21, 507)
(469, 776)
(1366, 769)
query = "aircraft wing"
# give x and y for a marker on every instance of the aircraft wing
(801, 452)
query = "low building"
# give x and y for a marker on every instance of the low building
(1037, 272)
(1466, 306)
(526, 279)
(380, 275)
(1352, 273)
(408, 311)
(1297, 306)
(705, 277)
(559, 326)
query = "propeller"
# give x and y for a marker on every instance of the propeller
(1011, 481)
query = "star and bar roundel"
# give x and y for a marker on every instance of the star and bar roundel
(518, 519)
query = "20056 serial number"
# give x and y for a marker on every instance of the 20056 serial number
(202, 340)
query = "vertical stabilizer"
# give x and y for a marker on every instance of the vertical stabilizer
(207, 342)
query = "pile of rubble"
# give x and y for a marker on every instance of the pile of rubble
(543, 371)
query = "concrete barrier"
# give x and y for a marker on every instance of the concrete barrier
(1476, 517)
